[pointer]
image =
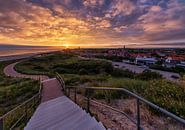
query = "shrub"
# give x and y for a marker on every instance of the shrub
(107, 95)
(148, 76)
(83, 71)
(122, 73)
(167, 95)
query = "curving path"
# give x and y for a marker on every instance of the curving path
(51, 87)
(10, 71)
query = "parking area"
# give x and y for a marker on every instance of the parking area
(140, 69)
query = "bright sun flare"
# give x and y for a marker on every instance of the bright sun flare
(66, 46)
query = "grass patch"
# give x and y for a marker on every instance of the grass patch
(74, 79)
(14, 91)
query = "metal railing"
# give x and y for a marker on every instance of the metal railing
(139, 100)
(21, 113)
(60, 79)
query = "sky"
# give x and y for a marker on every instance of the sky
(93, 23)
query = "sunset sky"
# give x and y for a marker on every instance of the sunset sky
(93, 23)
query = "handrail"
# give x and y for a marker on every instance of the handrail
(114, 109)
(61, 80)
(138, 99)
(19, 106)
(11, 111)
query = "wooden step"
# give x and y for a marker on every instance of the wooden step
(70, 121)
(62, 114)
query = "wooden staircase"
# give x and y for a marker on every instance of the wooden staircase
(62, 114)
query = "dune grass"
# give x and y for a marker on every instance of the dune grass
(14, 91)
(166, 94)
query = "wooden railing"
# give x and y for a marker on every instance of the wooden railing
(20, 114)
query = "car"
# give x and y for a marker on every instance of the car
(174, 76)
(147, 70)
(143, 66)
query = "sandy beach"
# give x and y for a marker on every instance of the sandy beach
(22, 56)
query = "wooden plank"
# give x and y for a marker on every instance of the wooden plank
(61, 114)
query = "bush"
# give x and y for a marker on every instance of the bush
(173, 69)
(85, 67)
(167, 95)
(122, 73)
(148, 76)
(107, 95)
(82, 72)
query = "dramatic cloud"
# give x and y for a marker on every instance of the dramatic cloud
(92, 23)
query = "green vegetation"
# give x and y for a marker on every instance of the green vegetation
(161, 92)
(75, 79)
(14, 91)
(148, 76)
(76, 71)
(173, 69)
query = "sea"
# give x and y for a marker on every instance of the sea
(14, 51)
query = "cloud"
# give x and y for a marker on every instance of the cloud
(104, 24)
(155, 8)
(93, 3)
(54, 22)
(120, 29)
(122, 7)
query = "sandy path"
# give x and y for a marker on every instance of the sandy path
(51, 87)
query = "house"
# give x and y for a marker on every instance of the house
(171, 62)
(182, 64)
(145, 60)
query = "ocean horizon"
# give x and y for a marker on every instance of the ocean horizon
(12, 50)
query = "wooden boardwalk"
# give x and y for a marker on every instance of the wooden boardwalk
(51, 89)
(62, 114)
(56, 111)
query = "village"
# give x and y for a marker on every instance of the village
(166, 58)
(168, 62)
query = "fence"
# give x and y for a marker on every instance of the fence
(21, 113)
(139, 100)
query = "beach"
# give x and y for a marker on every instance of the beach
(23, 56)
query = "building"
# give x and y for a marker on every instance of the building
(145, 60)
(171, 62)
(181, 65)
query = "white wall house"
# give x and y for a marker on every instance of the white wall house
(145, 60)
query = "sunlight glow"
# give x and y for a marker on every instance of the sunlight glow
(66, 46)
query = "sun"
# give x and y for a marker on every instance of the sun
(66, 46)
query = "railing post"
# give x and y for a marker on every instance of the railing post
(138, 115)
(88, 101)
(1, 124)
(75, 95)
(34, 103)
(69, 92)
(39, 98)
(26, 112)
(65, 92)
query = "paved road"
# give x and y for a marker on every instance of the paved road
(51, 87)
(139, 69)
